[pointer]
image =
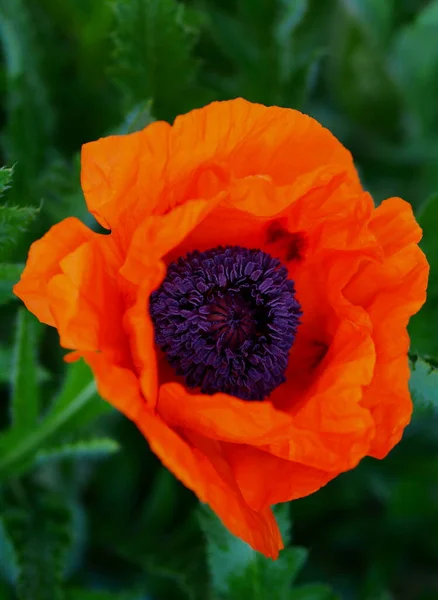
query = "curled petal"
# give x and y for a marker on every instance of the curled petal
(122, 175)
(86, 301)
(391, 291)
(198, 462)
(43, 264)
(223, 417)
(266, 480)
(162, 233)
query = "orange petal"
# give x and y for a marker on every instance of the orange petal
(202, 466)
(223, 417)
(43, 264)
(138, 326)
(335, 430)
(117, 385)
(266, 480)
(261, 196)
(122, 175)
(332, 214)
(157, 235)
(199, 463)
(391, 292)
(127, 178)
(86, 301)
(256, 140)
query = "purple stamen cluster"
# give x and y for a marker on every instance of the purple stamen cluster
(226, 319)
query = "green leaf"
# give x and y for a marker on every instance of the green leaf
(290, 17)
(41, 532)
(5, 179)
(267, 579)
(76, 406)
(83, 594)
(313, 591)
(153, 45)
(414, 59)
(237, 571)
(374, 17)
(6, 360)
(167, 558)
(422, 341)
(13, 221)
(90, 449)
(282, 515)
(41, 535)
(360, 74)
(8, 556)
(26, 137)
(429, 15)
(161, 503)
(136, 119)
(9, 275)
(78, 403)
(226, 554)
(25, 405)
(424, 385)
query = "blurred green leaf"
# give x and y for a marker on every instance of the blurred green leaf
(424, 385)
(137, 119)
(76, 405)
(8, 556)
(375, 18)
(313, 591)
(358, 66)
(6, 360)
(5, 179)
(161, 503)
(27, 135)
(414, 60)
(13, 221)
(78, 401)
(9, 275)
(291, 14)
(226, 554)
(238, 571)
(422, 341)
(25, 403)
(61, 191)
(429, 15)
(83, 594)
(166, 558)
(264, 579)
(41, 534)
(89, 449)
(153, 53)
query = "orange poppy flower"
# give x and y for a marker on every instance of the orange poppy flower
(248, 309)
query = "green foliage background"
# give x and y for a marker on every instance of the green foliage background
(86, 511)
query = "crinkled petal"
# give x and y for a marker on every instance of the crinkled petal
(391, 292)
(266, 480)
(139, 328)
(336, 429)
(43, 264)
(119, 173)
(127, 178)
(256, 140)
(160, 234)
(86, 301)
(223, 417)
(198, 462)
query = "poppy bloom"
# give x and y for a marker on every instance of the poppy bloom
(247, 309)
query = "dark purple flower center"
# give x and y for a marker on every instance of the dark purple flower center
(226, 319)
